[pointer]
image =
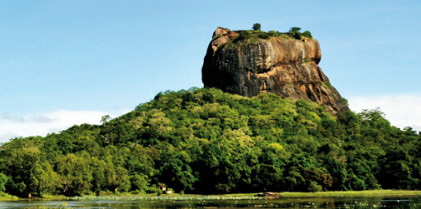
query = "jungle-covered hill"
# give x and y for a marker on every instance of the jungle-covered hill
(208, 141)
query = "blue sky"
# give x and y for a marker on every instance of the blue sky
(69, 62)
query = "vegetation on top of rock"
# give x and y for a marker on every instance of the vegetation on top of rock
(295, 33)
(208, 141)
(307, 34)
(256, 33)
(251, 35)
(274, 33)
(256, 26)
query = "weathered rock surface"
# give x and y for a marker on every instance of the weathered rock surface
(282, 65)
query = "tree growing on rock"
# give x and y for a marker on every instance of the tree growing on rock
(295, 32)
(257, 26)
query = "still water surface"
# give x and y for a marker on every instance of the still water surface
(401, 202)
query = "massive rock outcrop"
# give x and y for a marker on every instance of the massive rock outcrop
(279, 64)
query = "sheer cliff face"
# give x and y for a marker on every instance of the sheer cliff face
(285, 66)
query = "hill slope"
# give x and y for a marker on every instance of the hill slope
(207, 141)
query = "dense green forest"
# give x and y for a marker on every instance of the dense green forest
(207, 141)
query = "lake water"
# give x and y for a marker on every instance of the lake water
(401, 202)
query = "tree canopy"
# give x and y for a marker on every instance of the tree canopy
(207, 141)
(257, 26)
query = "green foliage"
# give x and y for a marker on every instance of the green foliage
(253, 35)
(295, 29)
(3, 180)
(208, 141)
(327, 84)
(216, 36)
(257, 26)
(105, 118)
(307, 34)
(295, 33)
(346, 101)
(75, 174)
(274, 33)
(264, 35)
(244, 35)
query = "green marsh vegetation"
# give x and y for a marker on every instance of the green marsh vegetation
(205, 141)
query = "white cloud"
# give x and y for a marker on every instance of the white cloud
(42, 124)
(400, 110)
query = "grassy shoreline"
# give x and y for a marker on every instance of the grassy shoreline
(241, 196)
(7, 197)
(364, 193)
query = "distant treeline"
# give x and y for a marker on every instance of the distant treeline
(206, 141)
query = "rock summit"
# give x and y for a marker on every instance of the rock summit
(252, 62)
